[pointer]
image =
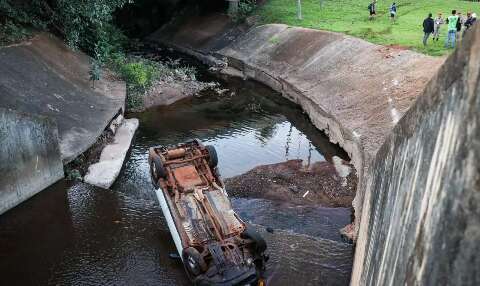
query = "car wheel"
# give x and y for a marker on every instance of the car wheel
(259, 243)
(212, 156)
(193, 261)
(157, 170)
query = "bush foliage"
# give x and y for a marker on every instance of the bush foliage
(87, 25)
(83, 24)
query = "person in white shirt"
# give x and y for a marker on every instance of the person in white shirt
(437, 23)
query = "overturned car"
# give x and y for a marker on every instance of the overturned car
(215, 245)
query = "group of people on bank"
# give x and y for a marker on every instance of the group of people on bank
(456, 23)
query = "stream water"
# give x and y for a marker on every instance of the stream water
(75, 234)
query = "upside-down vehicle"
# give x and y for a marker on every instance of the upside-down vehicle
(215, 245)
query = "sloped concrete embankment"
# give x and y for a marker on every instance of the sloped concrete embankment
(417, 204)
(353, 90)
(29, 157)
(43, 76)
(421, 218)
(199, 35)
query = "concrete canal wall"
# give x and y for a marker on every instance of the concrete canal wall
(29, 157)
(421, 216)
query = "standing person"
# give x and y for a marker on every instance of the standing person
(427, 28)
(452, 29)
(459, 24)
(438, 22)
(393, 12)
(469, 22)
(372, 9)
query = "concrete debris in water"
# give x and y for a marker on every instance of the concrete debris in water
(342, 168)
(104, 173)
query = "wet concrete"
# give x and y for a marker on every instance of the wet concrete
(89, 236)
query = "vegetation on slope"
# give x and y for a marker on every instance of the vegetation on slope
(352, 17)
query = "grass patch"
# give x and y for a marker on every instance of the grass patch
(140, 74)
(351, 17)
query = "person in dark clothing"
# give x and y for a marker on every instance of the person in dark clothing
(393, 12)
(372, 9)
(428, 27)
(469, 22)
(459, 23)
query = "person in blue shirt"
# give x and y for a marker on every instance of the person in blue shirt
(393, 12)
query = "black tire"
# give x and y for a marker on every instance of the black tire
(193, 261)
(212, 156)
(157, 170)
(259, 244)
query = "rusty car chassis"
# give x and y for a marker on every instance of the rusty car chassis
(215, 245)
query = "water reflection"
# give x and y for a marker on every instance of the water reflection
(248, 125)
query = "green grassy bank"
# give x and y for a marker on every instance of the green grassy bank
(351, 17)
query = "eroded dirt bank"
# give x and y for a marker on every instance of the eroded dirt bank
(175, 81)
(292, 181)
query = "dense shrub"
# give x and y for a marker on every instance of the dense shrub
(245, 9)
(10, 32)
(83, 24)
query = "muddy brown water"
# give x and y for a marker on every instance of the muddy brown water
(75, 234)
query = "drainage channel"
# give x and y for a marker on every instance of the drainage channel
(75, 234)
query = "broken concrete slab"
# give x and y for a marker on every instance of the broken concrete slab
(43, 76)
(104, 173)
